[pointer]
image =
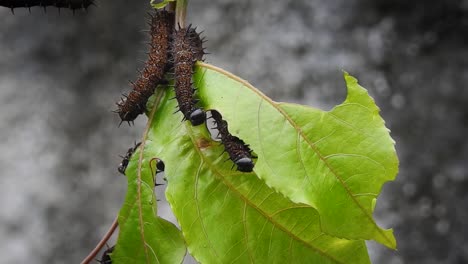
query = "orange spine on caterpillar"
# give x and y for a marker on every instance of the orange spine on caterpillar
(238, 151)
(187, 49)
(134, 104)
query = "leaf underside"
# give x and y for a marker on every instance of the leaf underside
(311, 195)
(229, 217)
(336, 161)
(143, 236)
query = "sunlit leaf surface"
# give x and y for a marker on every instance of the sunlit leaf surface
(335, 161)
(232, 217)
(143, 236)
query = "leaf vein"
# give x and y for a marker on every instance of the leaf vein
(311, 145)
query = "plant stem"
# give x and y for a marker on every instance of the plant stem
(181, 12)
(101, 243)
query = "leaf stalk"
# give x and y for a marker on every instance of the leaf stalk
(181, 12)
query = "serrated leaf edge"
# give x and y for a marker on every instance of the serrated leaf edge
(391, 243)
(219, 175)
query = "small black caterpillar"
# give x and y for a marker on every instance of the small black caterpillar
(126, 159)
(238, 151)
(105, 258)
(187, 49)
(134, 104)
(70, 4)
(160, 166)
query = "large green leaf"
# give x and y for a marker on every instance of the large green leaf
(232, 217)
(143, 236)
(335, 161)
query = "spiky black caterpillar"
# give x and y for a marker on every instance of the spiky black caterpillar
(70, 4)
(126, 159)
(186, 50)
(238, 151)
(134, 104)
(105, 258)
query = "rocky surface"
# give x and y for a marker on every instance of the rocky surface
(61, 74)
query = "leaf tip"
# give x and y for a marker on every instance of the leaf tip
(349, 79)
(388, 239)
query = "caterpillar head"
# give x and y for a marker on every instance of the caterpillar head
(105, 258)
(245, 164)
(197, 117)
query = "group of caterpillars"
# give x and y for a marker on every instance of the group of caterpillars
(126, 159)
(174, 51)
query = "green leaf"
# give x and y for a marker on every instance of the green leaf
(160, 4)
(232, 217)
(143, 236)
(335, 161)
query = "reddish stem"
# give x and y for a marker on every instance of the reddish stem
(101, 243)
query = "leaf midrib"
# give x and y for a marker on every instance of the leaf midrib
(295, 126)
(159, 94)
(247, 201)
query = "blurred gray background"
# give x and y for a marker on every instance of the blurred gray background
(60, 76)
